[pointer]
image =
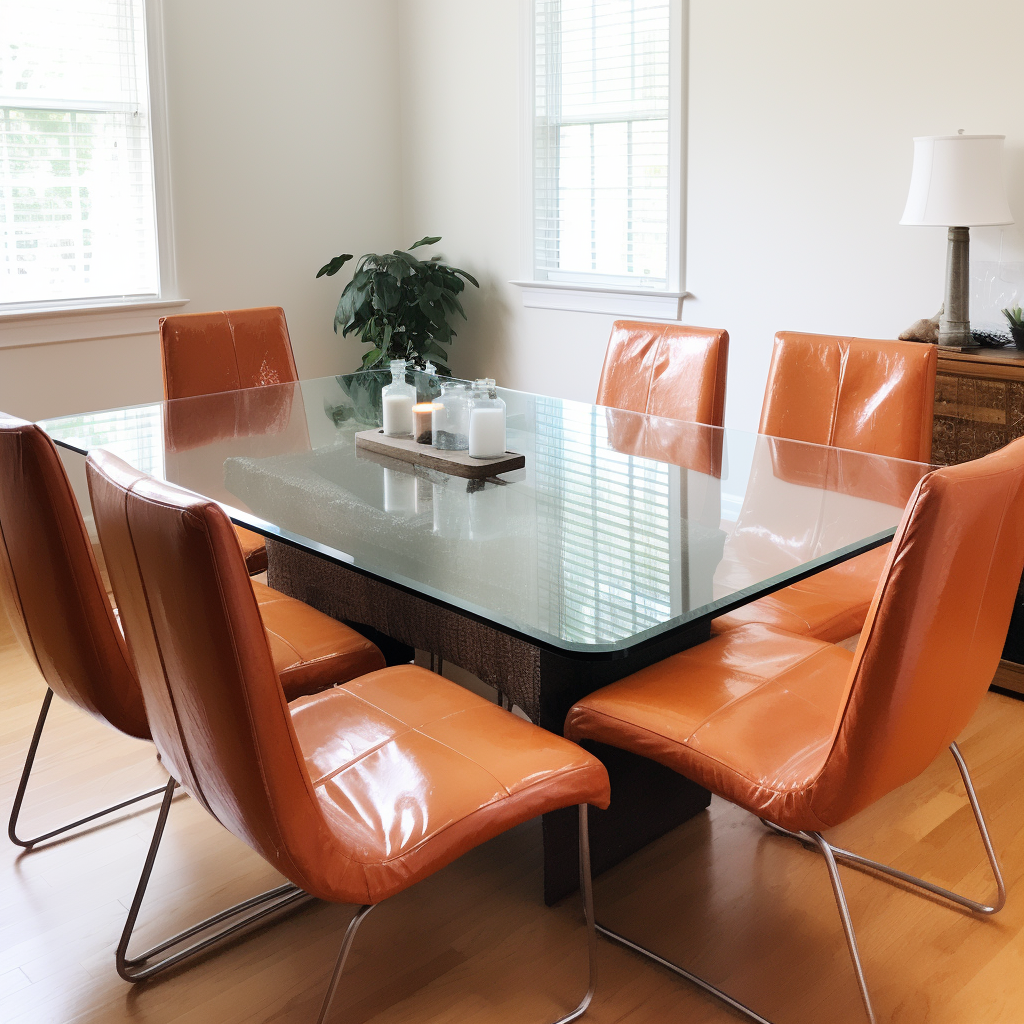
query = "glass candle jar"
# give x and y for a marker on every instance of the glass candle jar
(486, 422)
(450, 418)
(397, 399)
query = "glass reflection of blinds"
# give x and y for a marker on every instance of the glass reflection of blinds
(603, 521)
(135, 435)
(601, 141)
(77, 206)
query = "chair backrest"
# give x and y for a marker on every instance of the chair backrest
(934, 632)
(215, 703)
(51, 585)
(669, 370)
(205, 353)
(871, 396)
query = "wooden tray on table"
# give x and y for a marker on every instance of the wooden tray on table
(455, 463)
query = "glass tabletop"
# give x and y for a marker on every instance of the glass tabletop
(621, 527)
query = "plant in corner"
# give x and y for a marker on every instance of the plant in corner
(399, 305)
(1016, 317)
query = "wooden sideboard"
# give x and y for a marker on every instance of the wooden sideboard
(979, 407)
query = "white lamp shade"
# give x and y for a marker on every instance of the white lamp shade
(958, 181)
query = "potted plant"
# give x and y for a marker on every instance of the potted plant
(1016, 317)
(399, 305)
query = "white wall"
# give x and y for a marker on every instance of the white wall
(283, 123)
(800, 127)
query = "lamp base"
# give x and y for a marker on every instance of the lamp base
(956, 335)
(954, 323)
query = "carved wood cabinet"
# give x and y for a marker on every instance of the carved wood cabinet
(979, 407)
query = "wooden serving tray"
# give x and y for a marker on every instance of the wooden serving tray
(455, 463)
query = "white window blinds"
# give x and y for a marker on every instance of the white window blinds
(76, 171)
(601, 142)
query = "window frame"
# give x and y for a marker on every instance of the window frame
(608, 299)
(167, 282)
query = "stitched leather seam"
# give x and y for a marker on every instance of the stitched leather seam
(654, 362)
(685, 744)
(352, 762)
(125, 492)
(764, 682)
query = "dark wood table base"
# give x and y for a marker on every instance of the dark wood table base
(648, 799)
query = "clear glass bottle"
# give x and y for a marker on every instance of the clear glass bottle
(397, 400)
(486, 422)
(450, 418)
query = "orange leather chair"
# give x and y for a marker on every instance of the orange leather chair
(669, 370)
(870, 396)
(52, 590)
(207, 353)
(806, 734)
(354, 794)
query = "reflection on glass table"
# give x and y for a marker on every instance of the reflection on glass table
(617, 531)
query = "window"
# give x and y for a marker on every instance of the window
(77, 201)
(606, 144)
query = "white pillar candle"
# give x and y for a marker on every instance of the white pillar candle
(486, 433)
(398, 415)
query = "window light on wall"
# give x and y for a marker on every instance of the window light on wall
(603, 143)
(77, 202)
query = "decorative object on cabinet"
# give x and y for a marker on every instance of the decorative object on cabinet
(1015, 315)
(979, 408)
(923, 330)
(959, 182)
(399, 305)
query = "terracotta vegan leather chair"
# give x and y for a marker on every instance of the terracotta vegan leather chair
(51, 586)
(669, 370)
(805, 734)
(207, 353)
(354, 794)
(869, 396)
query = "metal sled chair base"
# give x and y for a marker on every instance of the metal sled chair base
(241, 915)
(832, 854)
(146, 965)
(586, 889)
(19, 798)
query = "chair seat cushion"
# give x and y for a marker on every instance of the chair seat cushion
(750, 715)
(254, 550)
(311, 651)
(411, 771)
(831, 605)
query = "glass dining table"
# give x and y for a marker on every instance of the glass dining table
(616, 545)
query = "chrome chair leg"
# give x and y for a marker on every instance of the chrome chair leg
(844, 913)
(19, 797)
(586, 890)
(339, 967)
(683, 973)
(146, 965)
(858, 861)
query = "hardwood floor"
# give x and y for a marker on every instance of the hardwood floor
(751, 912)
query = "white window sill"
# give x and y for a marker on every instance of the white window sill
(582, 298)
(54, 325)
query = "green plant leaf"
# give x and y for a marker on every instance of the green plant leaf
(369, 358)
(427, 240)
(330, 269)
(409, 260)
(469, 277)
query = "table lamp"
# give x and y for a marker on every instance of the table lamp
(959, 182)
